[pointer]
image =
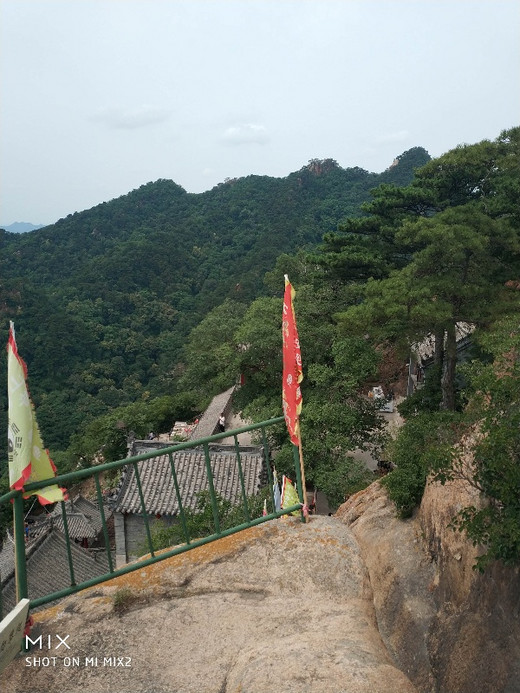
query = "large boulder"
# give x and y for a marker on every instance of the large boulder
(401, 576)
(280, 607)
(450, 628)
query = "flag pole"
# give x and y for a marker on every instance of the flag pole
(302, 472)
(300, 479)
(291, 392)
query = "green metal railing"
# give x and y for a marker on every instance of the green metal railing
(16, 497)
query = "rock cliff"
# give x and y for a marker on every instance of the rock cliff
(360, 602)
(450, 628)
(280, 607)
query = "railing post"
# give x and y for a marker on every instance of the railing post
(67, 542)
(270, 479)
(242, 484)
(19, 548)
(212, 494)
(104, 523)
(143, 508)
(179, 500)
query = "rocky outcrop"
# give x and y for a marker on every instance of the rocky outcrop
(401, 577)
(280, 607)
(361, 602)
(475, 637)
(449, 627)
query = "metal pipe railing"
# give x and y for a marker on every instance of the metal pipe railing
(72, 477)
(138, 565)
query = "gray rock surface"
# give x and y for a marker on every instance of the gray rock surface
(450, 628)
(280, 607)
(402, 578)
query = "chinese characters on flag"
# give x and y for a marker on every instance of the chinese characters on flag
(292, 367)
(28, 459)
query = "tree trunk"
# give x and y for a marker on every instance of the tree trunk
(438, 356)
(448, 369)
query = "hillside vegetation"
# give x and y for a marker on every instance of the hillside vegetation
(104, 300)
(137, 311)
(422, 258)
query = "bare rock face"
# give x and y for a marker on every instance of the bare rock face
(401, 577)
(280, 607)
(448, 627)
(359, 603)
(475, 638)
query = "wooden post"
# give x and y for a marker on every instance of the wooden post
(300, 476)
(302, 472)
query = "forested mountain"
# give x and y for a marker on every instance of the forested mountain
(103, 300)
(137, 311)
(444, 249)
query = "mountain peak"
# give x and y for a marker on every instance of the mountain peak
(21, 227)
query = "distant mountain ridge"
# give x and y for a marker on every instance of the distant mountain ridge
(21, 227)
(104, 300)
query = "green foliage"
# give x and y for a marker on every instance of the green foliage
(427, 398)
(342, 479)
(423, 444)
(200, 522)
(493, 413)
(446, 250)
(123, 599)
(210, 350)
(405, 166)
(459, 260)
(105, 438)
(104, 300)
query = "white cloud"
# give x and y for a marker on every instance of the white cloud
(246, 133)
(131, 118)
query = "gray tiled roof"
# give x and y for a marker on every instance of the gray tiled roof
(83, 518)
(6, 559)
(425, 349)
(159, 490)
(48, 568)
(37, 532)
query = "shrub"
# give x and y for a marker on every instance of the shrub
(423, 445)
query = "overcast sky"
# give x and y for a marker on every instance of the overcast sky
(101, 96)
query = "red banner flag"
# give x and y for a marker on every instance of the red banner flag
(292, 366)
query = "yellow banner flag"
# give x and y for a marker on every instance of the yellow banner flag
(28, 459)
(289, 495)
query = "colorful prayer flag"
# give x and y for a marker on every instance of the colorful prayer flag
(292, 366)
(276, 492)
(289, 495)
(28, 460)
